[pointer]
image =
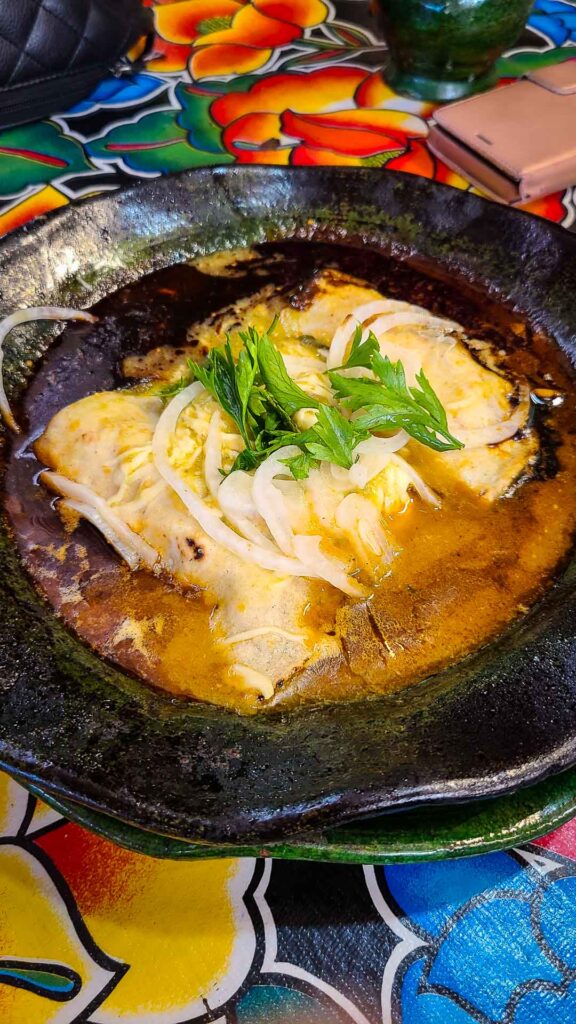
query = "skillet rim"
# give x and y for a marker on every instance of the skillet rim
(243, 818)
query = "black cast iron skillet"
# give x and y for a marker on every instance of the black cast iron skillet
(80, 729)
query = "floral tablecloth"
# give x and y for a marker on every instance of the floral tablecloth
(91, 932)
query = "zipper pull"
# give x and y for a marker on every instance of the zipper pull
(122, 67)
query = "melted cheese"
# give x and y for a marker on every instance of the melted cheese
(341, 522)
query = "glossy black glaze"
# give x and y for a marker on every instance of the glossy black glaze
(501, 719)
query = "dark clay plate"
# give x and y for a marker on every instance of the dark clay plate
(82, 730)
(426, 833)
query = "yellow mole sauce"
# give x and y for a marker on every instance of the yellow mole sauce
(465, 572)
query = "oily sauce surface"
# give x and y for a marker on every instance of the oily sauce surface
(466, 571)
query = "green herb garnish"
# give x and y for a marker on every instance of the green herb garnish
(389, 404)
(259, 395)
(300, 465)
(333, 437)
(275, 377)
(361, 352)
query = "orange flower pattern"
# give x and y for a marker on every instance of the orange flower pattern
(337, 115)
(333, 115)
(231, 36)
(240, 81)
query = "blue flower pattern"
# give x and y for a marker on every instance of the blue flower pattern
(499, 941)
(555, 19)
(119, 92)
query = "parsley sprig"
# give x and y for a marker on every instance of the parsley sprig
(388, 402)
(259, 395)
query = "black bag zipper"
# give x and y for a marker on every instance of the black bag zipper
(35, 100)
(55, 94)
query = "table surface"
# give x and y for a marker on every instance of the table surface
(91, 932)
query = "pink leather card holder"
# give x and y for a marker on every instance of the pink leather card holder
(515, 142)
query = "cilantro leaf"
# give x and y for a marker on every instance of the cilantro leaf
(377, 418)
(391, 374)
(300, 465)
(356, 392)
(261, 398)
(171, 390)
(218, 375)
(246, 371)
(390, 404)
(278, 382)
(333, 437)
(427, 397)
(361, 352)
(247, 459)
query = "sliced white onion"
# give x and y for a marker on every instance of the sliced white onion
(366, 469)
(374, 445)
(341, 476)
(308, 550)
(91, 506)
(252, 634)
(253, 680)
(206, 517)
(213, 456)
(390, 312)
(383, 324)
(344, 332)
(300, 365)
(373, 455)
(361, 521)
(271, 504)
(235, 493)
(24, 316)
(236, 501)
(89, 513)
(419, 484)
(478, 437)
(356, 371)
(410, 359)
(269, 501)
(293, 488)
(340, 341)
(376, 306)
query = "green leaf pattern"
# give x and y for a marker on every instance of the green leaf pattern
(152, 130)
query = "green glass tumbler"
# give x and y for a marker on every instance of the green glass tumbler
(445, 49)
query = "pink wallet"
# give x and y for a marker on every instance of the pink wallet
(516, 142)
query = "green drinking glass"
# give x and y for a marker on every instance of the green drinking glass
(445, 49)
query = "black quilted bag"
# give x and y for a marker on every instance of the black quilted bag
(54, 52)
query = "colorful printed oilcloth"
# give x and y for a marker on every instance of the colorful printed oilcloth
(90, 932)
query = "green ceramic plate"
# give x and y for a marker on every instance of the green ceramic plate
(430, 833)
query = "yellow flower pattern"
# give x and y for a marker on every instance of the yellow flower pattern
(84, 923)
(182, 928)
